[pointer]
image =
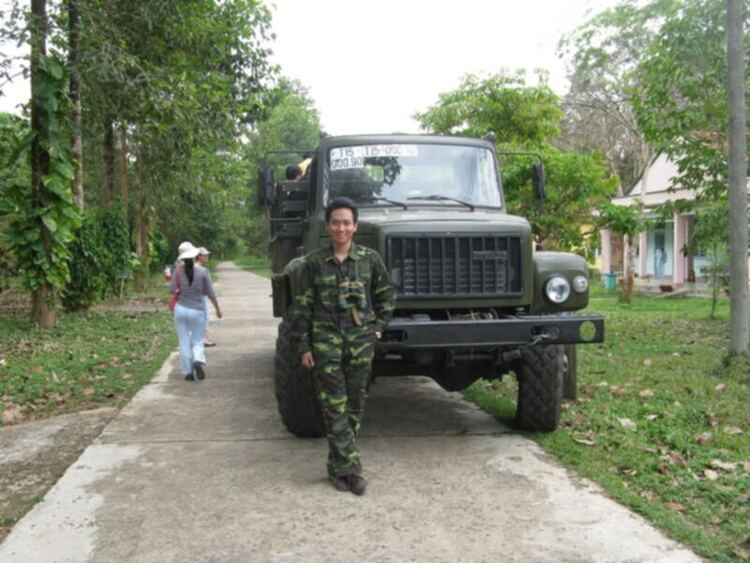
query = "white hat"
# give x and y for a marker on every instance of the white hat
(187, 250)
(203, 251)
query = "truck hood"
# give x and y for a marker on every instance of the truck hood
(437, 219)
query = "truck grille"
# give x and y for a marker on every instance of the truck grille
(477, 265)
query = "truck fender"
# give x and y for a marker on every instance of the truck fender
(548, 264)
(285, 286)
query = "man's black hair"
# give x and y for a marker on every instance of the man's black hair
(341, 203)
(307, 155)
(292, 172)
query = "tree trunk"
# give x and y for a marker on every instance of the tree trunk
(143, 227)
(44, 316)
(108, 180)
(739, 339)
(139, 246)
(123, 167)
(76, 144)
(628, 280)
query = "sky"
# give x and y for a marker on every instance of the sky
(371, 64)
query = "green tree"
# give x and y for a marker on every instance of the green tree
(526, 118)
(41, 214)
(711, 235)
(680, 102)
(292, 122)
(603, 55)
(576, 184)
(627, 221)
(502, 103)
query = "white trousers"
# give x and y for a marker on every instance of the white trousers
(190, 325)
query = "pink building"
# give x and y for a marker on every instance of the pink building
(661, 252)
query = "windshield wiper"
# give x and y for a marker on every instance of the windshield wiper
(443, 198)
(373, 198)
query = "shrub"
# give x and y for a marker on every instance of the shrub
(88, 277)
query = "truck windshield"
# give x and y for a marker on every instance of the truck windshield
(371, 174)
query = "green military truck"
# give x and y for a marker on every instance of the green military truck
(475, 300)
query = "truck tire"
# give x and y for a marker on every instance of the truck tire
(540, 385)
(296, 396)
(570, 373)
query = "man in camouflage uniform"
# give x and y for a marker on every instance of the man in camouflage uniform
(344, 302)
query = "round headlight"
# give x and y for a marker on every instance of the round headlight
(580, 284)
(557, 289)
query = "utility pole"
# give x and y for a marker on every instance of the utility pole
(739, 306)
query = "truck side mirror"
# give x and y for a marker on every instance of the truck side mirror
(537, 181)
(266, 182)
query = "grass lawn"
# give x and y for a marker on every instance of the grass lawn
(259, 265)
(661, 423)
(90, 359)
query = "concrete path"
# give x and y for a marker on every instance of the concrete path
(205, 472)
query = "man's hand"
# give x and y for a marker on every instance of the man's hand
(308, 362)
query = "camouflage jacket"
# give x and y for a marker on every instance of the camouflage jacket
(345, 295)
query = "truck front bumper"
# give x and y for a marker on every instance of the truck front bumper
(417, 334)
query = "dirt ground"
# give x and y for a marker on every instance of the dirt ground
(33, 456)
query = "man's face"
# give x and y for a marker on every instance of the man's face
(203, 259)
(341, 226)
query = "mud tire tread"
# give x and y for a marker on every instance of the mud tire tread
(296, 397)
(540, 388)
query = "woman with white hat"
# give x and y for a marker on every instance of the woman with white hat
(193, 282)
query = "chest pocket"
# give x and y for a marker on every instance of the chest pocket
(327, 290)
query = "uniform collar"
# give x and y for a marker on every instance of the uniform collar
(353, 253)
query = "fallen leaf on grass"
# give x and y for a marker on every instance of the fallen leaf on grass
(12, 414)
(617, 390)
(627, 424)
(711, 475)
(741, 552)
(89, 391)
(648, 495)
(676, 354)
(712, 420)
(653, 416)
(723, 465)
(2, 362)
(746, 465)
(725, 487)
(733, 430)
(646, 393)
(675, 458)
(704, 438)
(584, 442)
(720, 388)
(647, 362)
(676, 506)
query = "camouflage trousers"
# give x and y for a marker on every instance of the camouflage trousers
(343, 360)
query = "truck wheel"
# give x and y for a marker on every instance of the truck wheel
(296, 397)
(540, 384)
(570, 372)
